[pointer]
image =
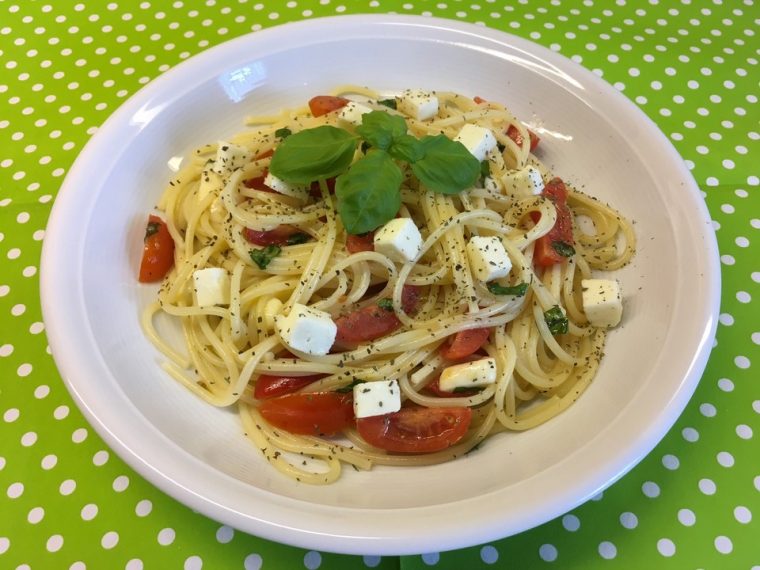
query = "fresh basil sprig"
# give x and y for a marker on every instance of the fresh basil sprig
(556, 320)
(516, 290)
(313, 154)
(263, 257)
(563, 248)
(446, 167)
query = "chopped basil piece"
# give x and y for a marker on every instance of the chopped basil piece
(517, 290)
(349, 387)
(563, 248)
(386, 304)
(151, 228)
(262, 257)
(295, 239)
(283, 133)
(390, 103)
(556, 320)
(462, 390)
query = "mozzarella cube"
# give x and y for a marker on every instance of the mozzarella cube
(399, 239)
(478, 140)
(352, 112)
(418, 104)
(488, 258)
(279, 185)
(523, 183)
(230, 157)
(602, 301)
(376, 398)
(308, 330)
(474, 374)
(212, 286)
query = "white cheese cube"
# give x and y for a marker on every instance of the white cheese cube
(523, 183)
(399, 239)
(376, 398)
(602, 301)
(279, 185)
(230, 157)
(308, 330)
(352, 112)
(474, 374)
(418, 104)
(212, 286)
(488, 258)
(478, 140)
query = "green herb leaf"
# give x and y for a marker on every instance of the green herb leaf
(485, 168)
(300, 237)
(349, 387)
(390, 103)
(406, 147)
(556, 320)
(313, 154)
(150, 229)
(283, 133)
(262, 257)
(463, 390)
(517, 290)
(447, 166)
(386, 304)
(379, 128)
(563, 248)
(368, 194)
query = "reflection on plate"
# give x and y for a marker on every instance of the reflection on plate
(197, 454)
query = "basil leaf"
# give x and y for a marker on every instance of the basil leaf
(485, 168)
(556, 320)
(385, 304)
(150, 229)
(295, 239)
(517, 290)
(368, 194)
(283, 133)
(390, 103)
(447, 167)
(349, 387)
(313, 154)
(262, 257)
(379, 128)
(563, 248)
(407, 148)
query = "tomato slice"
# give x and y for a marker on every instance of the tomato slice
(158, 251)
(314, 190)
(323, 104)
(321, 413)
(544, 253)
(373, 321)
(269, 386)
(416, 430)
(514, 133)
(257, 183)
(360, 242)
(281, 235)
(464, 343)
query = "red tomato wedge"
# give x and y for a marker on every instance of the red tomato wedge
(321, 413)
(544, 253)
(314, 190)
(158, 251)
(268, 386)
(323, 104)
(372, 322)
(514, 134)
(416, 430)
(464, 343)
(257, 183)
(360, 242)
(278, 236)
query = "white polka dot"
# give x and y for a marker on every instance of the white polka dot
(11, 415)
(725, 459)
(67, 487)
(54, 543)
(120, 483)
(38, 513)
(225, 534)
(723, 544)
(571, 523)
(18, 309)
(687, 517)
(312, 560)
(726, 385)
(742, 362)
(629, 520)
(547, 552)
(727, 259)
(79, 435)
(744, 431)
(61, 412)
(607, 550)
(143, 508)
(37, 328)
(109, 540)
(742, 514)
(666, 547)
(726, 319)
(707, 410)
(650, 489)
(707, 486)
(670, 462)
(690, 434)
(15, 490)
(5, 544)
(100, 458)
(431, 558)
(24, 370)
(166, 536)
(743, 297)
(255, 562)
(6, 350)
(29, 439)
(48, 462)
(89, 511)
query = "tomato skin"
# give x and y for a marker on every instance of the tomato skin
(416, 430)
(534, 140)
(276, 236)
(360, 242)
(372, 322)
(544, 254)
(158, 252)
(320, 413)
(314, 190)
(269, 386)
(516, 136)
(257, 183)
(323, 104)
(464, 343)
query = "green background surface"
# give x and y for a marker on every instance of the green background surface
(67, 501)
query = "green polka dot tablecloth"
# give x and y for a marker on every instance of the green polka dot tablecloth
(66, 501)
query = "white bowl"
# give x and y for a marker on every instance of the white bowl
(592, 136)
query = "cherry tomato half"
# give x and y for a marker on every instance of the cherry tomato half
(158, 251)
(269, 386)
(464, 343)
(323, 104)
(320, 413)
(544, 252)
